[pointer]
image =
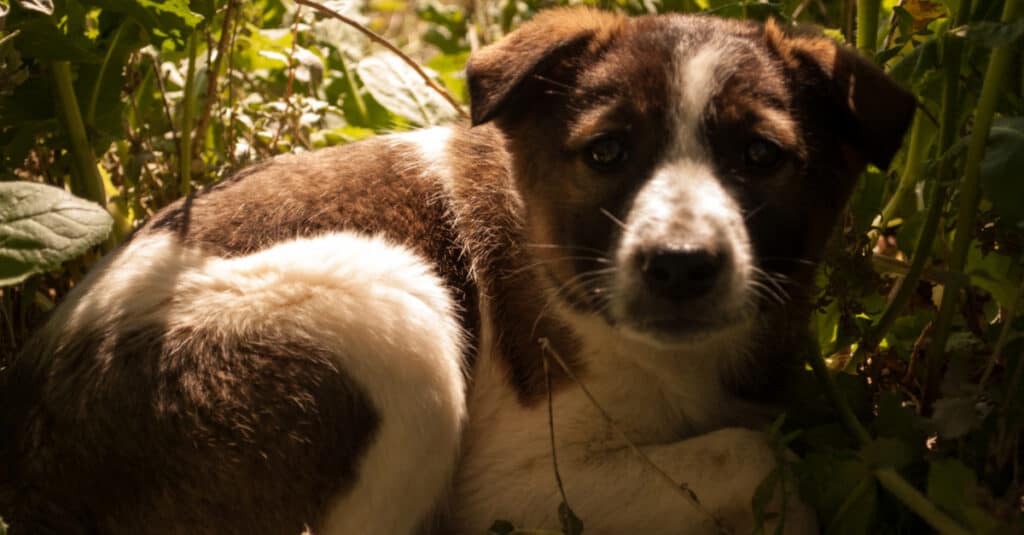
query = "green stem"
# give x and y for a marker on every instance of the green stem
(97, 86)
(888, 477)
(908, 284)
(1009, 314)
(867, 26)
(353, 91)
(839, 520)
(892, 481)
(187, 108)
(970, 193)
(86, 180)
(911, 170)
(828, 383)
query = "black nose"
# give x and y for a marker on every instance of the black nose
(681, 274)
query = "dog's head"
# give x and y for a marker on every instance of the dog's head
(681, 173)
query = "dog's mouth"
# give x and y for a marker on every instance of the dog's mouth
(640, 314)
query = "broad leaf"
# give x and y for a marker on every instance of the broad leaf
(402, 91)
(170, 17)
(949, 486)
(40, 38)
(42, 226)
(1001, 167)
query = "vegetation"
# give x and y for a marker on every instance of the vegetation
(913, 420)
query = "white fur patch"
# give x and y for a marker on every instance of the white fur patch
(700, 77)
(431, 147)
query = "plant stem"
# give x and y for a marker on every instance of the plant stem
(911, 170)
(212, 73)
(1009, 314)
(906, 285)
(353, 91)
(892, 481)
(970, 193)
(187, 107)
(86, 180)
(828, 383)
(97, 86)
(889, 478)
(948, 128)
(384, 42)
(867, 26)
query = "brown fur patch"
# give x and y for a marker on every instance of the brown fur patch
(159, 430)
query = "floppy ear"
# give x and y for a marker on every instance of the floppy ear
(503, 73)
(874, 111)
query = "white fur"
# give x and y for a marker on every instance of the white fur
(378, 308)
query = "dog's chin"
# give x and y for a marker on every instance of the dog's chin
(681, 330)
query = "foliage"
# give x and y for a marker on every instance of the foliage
(128, 104)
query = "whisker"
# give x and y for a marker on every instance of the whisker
(752, 213)
(614, 219)
(545, 261)
(563, 246)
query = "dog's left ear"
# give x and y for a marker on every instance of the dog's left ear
(874, 112)
(541, 52)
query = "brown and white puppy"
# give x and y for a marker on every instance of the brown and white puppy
(347, 341)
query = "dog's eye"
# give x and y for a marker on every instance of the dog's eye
(605, 152)
(763, 155)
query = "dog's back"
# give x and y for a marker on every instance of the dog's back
(193, 383)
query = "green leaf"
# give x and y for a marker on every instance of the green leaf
(42, 226)
(948, 483)
(168, 17)
(995, 34)
(402, 91)
(867, 201)
(828, 481)
(899, 422)
(452, 69)
(40, 38)
(887, 452)
(1001, 167)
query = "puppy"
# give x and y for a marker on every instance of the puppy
(364, 339)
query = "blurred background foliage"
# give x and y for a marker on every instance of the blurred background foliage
(112, 109)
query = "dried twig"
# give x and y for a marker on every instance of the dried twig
(383, 42)
(212, 73)
(681, 488)
(291, 80)
(554, 455)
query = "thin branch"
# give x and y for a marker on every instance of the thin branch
(212, 74)
(291, 82)
(551, 434)
(383, 42)
(681, 488)
(229, 134)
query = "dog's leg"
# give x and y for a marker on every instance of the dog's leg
(615, 492)
(722, 468)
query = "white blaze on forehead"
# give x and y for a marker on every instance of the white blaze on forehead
(699, 76)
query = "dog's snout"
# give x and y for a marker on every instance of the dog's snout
(681, 274)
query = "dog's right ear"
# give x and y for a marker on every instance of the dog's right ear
(505, 72)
